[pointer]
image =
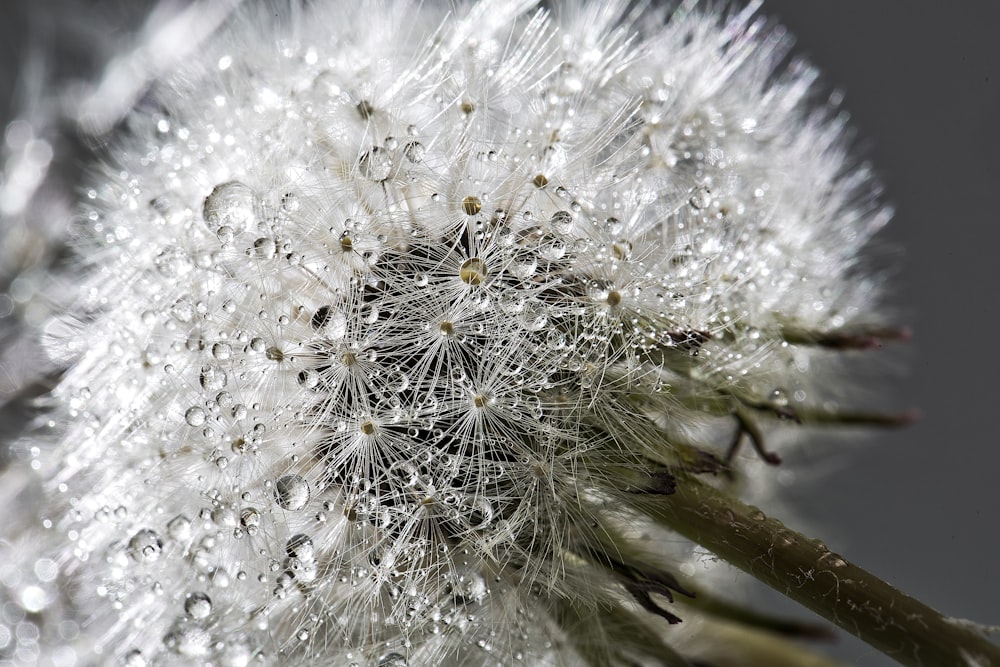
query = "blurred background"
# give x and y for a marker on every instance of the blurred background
(919, 506)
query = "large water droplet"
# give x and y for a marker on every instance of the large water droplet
(376, 164)
(300, 546)
(329, 321)
(134, 658)
(414, 151)
(145, 546)
(189, 640)
(222, 351)
(232, 205)
(392, 660)
(308, 378)
(291, 492)
(194, 416)
(700, 198)
(213, 378)
(179, 528)
(198, 605)
(562, 222)
(473, 271)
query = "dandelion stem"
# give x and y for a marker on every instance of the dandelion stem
(805, 570)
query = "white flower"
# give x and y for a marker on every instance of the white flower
(387, 314)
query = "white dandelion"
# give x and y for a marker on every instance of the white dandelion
(392, 330)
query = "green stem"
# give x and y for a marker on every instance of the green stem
(806, 571)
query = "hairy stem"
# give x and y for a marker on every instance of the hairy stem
(808, 572)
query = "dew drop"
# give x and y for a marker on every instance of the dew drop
(779, 397)
(134, 658)
(375, 164)
(265, 248)
(249, 517)
(473, 271)
(195, 416)
(190, 641)
(300, 546)
(472, 205)
(523, 264)
(222, 351)
(700, 198)
(145, 546)
(621, 249)
(414, 151)
(562, 222)
(392, 660)
(231, 205)
(291, 492)
(308, 378)
(198, 605)
(213, 378)
(172, 262)
(329, 321)
(179, 528)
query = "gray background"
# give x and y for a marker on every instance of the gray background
(920, 506)
(917, 506)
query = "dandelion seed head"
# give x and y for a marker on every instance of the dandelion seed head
(378, 327)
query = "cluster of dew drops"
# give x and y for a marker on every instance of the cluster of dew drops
(400, 375)
(372, 387)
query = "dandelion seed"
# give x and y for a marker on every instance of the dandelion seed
(407, 314)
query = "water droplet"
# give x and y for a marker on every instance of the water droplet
(779, 397)
(222, 351)
(473, 271)
(290, 203)
(189, 640)
(375, 164)
(562, 222)
(481, 514)
(552, 250)
(414, 151)
(540, 181)
(392, 660)
(231, 204)
(613, 226)
(329, 321)
(198, 605)
(300, 546)
(265, 248)
(172, 262)
(621, 249)
(213, 378)
(291, 492)
(472, 205)
(179, 528)
(182, 310)
(700, 198)
(523, 264)
(194, 416)
(308, 378)
(398, 381)
(145, 546)
(134, 658)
